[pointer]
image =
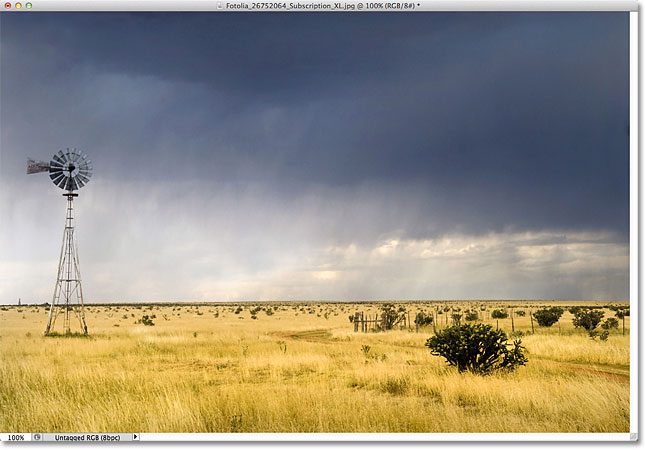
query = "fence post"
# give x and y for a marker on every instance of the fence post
(356, 322)
(513, 320)
(532, 328)
(416, 322)
(362, 323)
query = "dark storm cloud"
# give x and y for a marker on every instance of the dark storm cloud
(277, 155)
(511, 119)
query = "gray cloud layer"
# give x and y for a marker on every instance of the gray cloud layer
(232, 152)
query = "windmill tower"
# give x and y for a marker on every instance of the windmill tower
(70, 170)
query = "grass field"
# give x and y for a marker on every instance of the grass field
(297, 368)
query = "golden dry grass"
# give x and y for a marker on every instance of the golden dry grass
(194, 372)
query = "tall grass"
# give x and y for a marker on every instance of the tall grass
(198, 373)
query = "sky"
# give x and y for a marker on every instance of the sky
(342, 156)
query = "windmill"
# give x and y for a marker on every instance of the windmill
(70, 170)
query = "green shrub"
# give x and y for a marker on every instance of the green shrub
(146, 320)
(423, 319)
(390, 316)
(499, 314)
(520, 313)
(610, 323)
(546, 317)
(588, 319)
(477, 348)
(603, 335)
(471, 316)
(575, 309)
(621, 313)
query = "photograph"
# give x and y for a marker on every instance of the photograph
(411, 224)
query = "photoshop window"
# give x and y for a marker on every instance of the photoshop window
(318, 221)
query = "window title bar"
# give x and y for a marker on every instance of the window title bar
(314, 5)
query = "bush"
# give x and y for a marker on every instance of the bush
(471, 316)
(520, 313)
(621, 313)
(146, 320)
(423, 319)
(603, 335)
(499, 314)
(546, 317)
(390, 316)
(575, 309)
(477, 348)
(588, 319)
(610, 323)
(456, 318)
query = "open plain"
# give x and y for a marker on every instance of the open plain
(300, 367)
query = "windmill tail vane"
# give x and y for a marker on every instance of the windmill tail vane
(34, 166)
(70, 170)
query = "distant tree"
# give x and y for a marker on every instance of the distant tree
(610, 323)
(146, 320)
(391, 316)
(546, 317)
(588, 319)
(471, 315)
(621, 313)
(423, 319)
(499, 314)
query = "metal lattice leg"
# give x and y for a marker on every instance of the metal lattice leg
(68, 292)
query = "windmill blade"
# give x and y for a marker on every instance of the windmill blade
(57, 177)
(59, 157)
(72, 184)
(83, 179)
(69, 169)
(62, 182)
(34, 166)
